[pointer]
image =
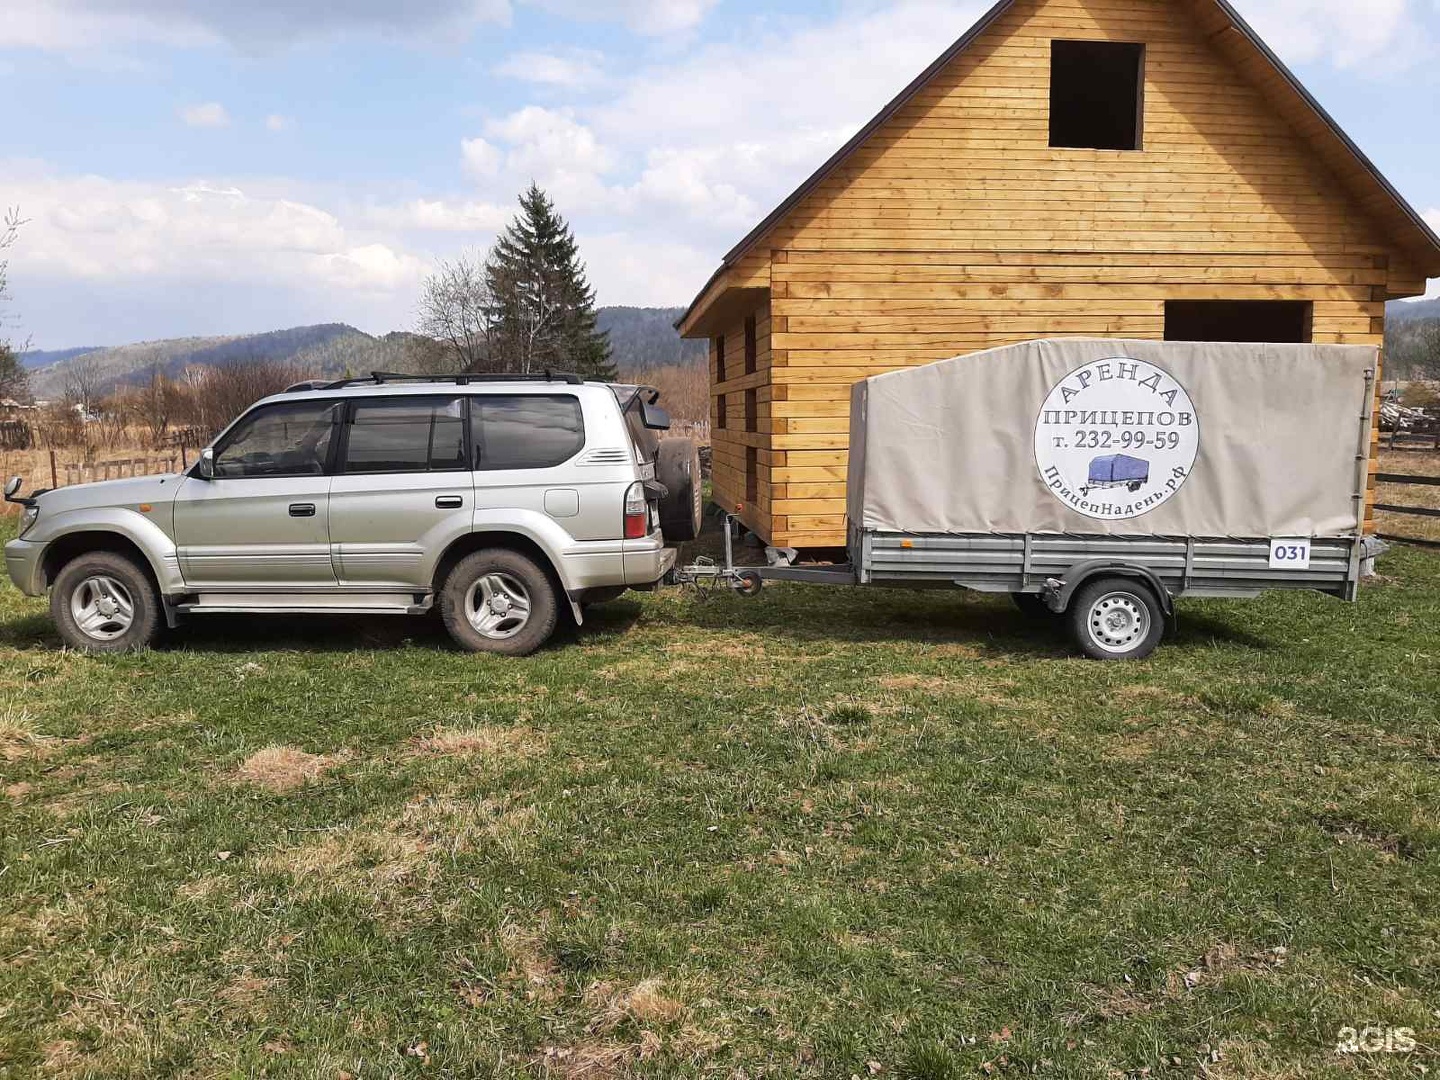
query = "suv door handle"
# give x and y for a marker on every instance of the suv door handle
(449, 502)
(302, 509)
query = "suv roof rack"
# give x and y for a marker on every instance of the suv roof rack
(381, 378)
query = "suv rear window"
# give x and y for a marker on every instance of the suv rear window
(391, 435)
(525, 431)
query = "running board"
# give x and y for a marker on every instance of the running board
(299, 604)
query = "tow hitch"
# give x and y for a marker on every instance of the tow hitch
(706, 576)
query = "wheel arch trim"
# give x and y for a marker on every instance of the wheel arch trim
(1061, 592)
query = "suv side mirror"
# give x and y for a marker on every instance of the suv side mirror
(205, 465)
(13, 487)
(654, 417)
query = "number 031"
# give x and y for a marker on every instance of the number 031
(1289, 554)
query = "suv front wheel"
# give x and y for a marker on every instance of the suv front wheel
(499, 601)
(104, 603)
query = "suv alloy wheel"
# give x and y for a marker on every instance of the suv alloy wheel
(499, 601)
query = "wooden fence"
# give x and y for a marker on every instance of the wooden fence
(1409, 511)
(81, 472)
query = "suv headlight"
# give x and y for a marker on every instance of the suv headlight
(28, 517)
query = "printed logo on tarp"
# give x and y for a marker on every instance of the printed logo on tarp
(1116, 438)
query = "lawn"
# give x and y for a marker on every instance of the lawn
(820, 834)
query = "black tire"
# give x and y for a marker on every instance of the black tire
(678, 468)
(505, 576)
(122, 603)
(1117, 619)
(1032, 605)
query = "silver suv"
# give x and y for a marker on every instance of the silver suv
(502, 500)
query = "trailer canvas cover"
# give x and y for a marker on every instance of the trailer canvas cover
(1081, 436)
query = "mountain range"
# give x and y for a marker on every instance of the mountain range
(643, 339)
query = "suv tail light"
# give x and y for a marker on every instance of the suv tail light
(637, 513)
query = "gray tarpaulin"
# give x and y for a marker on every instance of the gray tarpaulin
(1127, 438)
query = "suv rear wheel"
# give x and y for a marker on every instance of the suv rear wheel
(499, 601)
(103, 603)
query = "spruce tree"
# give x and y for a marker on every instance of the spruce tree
(543, 305)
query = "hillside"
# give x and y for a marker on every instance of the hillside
(643, 338)
(39, 358)
(1411, 310)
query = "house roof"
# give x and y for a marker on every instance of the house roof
(1234, 36)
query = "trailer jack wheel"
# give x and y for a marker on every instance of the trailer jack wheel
(748, 583)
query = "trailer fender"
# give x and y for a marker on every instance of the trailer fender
(1058, 592)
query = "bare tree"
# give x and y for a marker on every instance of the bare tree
(157, 398)
(82, 380)
(456, 309)
(14, 379)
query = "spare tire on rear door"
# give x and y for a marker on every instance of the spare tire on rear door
(677, 467)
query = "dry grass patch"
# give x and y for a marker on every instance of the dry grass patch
(645, 1003)
(18, 737)
(598, 1060)
(489, 742)
(283, 768)
(369, 858)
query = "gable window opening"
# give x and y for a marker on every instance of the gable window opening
(720, 412)
(751, 346)
(1273, 322)
(752, 411)
(720, 359)
(1097, 98)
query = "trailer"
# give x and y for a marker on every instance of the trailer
(1100, 481)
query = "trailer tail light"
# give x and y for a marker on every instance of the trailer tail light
(637, 513)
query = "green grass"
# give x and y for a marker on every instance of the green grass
(822, 833)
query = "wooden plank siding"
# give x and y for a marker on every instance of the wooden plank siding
(956, 228)
(730, 442)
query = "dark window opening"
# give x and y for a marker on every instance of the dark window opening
(751, 347)
(1096, 95)
(752, 411)
(1275, 321)
(720, 358)
(752, 475)
(720, 417)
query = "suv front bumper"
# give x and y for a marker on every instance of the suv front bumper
(25, 564)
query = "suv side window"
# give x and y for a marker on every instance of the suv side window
(280, 440)
(525, 431)
(401, 435)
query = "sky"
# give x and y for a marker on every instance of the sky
(197, 167)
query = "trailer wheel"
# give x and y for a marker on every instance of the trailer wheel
(749, 584)
(1117, 619)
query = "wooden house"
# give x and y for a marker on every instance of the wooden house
(1126, 168)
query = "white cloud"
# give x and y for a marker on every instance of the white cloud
(210, 114)
(98, 229)
(571, 70)
(554, 149)
(68, 25)
(653, 17)
(90, 24)
(437, 215)
(1342, 33)
(277, 122)
(480, 159)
